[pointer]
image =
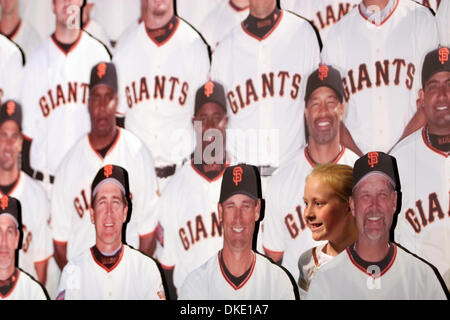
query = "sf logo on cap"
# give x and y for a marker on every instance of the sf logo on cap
(209, 89)
(101, 70)
(237, 175)
(373, 158)
(10, 108)
(107, 171)
(323, 72)
(443, 55)
(4, 202)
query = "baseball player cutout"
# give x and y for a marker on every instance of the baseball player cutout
(55, 92)
(379, 47)
(220, 21)
(263, 63)
(37, 244)
(11, 65)
(286, 235)
(328, 216)
(423, 225)
(110, 269)
(18, 29)
(237, 272)
(15, 284)
(442, 19)
(104, 144)
(373, 267)
(157, 85)
(189, 222)
(322, 13)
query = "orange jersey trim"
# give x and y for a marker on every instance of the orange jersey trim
(272, 251)
(13, 287)
(72, 48)
(268, 33)
(143, 236)
(425, 140)
(245, 280)
(166, 267)
(365, 271)
(168, 38)
(114, 266)
(110, 149)
(60, 242)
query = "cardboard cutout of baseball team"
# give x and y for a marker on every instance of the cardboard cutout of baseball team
(224, 149)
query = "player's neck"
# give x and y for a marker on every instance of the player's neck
(8, 177)
(66, 35)
(8, 22)
(99, 142)
(347, 237)
(155, 22)
(372, 251)
(381, 4)
(8, 272)
(108, 249)
(324, 153)
(240, 3)
(237, 262)
(263, 9)
(436, 130)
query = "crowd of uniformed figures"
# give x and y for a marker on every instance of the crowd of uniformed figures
(151, 123)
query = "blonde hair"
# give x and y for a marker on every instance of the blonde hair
(339, 177)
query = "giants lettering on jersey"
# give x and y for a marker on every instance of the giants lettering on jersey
(421, 220)
(196, 230)
(292, 225)
(164, 88)
(386, 72)
(271, 84)
(328, 16)
(71, 92)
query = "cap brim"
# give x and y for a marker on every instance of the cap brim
(240, 192)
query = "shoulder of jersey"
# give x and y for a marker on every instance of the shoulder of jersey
(9, 48)
(139, 255)
(93, 42)
(180, 180)
(33, 184)
(32, 280)
(287, 169)
(305, 257)
(271, 265)
(414, 260)
(405, 144)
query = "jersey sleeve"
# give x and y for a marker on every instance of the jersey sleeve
(41, 243)
(332, 53)
(167, 222)
(60, 217)
(155, 289)
(285, 287)
(442, 19)
(69, 287)
(273, 221)
(192, 288)
(318, 288)
(120, 61)
(13, 70)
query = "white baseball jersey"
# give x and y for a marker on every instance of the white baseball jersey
(71, 197)
(381, 66)
(115, 15)
(25, 288)
(189, 219)
(264, 84)
(220, 21)
(37, 243)
(308, 264)
(27, 38)
(10, 69)
(266, 281)
(405, 278)
(195, 11)
(157, 86)
(97, 31)
(54, 97)
(433, 4)
(322, 13)
(442, 18)
(423, 225)
(39, 14)
(285, 230)
(134, 277)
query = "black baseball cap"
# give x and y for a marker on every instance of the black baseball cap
(104, 73)
(376, 162)
(211, 91)
(325, 76)
(435, 61)
(11, 110)
(239, 179)
(114, 174)
(11, 207)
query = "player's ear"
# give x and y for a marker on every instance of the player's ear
(340, 110)
(91, 213)
(125, 214)
(17, 238)
(420, 99)
(352, 205)
(220, 211)
(258, 209)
